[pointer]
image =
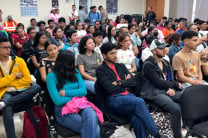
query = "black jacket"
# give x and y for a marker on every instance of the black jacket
(105, 76)
(153, 79)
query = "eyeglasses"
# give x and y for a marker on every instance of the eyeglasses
(6, 47)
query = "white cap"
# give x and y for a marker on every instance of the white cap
(157, 44)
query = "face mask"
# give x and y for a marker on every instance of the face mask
(155, 34)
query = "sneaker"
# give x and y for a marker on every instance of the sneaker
(16, 118)
(2, 105)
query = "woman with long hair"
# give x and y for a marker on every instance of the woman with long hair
(38, 51)
(88, 61)
(124, 55)
(47, 64)
(59, 38)
(64, 85)
(90, 30)
(111, 36)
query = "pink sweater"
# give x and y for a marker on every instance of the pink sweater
(78, 103)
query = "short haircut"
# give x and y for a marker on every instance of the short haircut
(200, 22)
(49, 21)
(107, 47)
(164, 17)
(196, 20)
(189, 27)
(121, 29)
(93, 7)
(81, 7)
(73, 5)
(3, 39)
(32, 19)
(130, 26)
(97, 33)
(100, 7)
(62, 19)
(86, 20)
(70, 33)
(176, 20)
(188, 35)
(29, 29)
(40, 23)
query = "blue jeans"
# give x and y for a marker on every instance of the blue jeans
(170, 105)
(11, 99)
(135, 109)
(90, 85)
(85, 122)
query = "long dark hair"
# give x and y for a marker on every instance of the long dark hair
(109, 33)
(37, 38)
(65, 68)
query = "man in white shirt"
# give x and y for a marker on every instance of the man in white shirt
(73, 16)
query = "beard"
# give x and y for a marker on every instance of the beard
(160, 55)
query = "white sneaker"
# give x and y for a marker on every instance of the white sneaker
(184, 132)
(2, 105)
(16, 118)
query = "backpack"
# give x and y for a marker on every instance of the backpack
(111, 130)
(35, 123)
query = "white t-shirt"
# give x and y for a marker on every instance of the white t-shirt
(75, 14)
(126, 57)
(113, 40)
(81, 33)
(200, 47)
(97, 49)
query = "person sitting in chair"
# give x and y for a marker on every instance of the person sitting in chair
(111, 77)
(15, 85)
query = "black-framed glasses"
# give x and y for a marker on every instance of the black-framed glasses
(6, 47)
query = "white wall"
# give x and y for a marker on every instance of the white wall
(12, 7)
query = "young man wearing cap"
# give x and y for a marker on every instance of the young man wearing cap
(159, 85)
(187, 62)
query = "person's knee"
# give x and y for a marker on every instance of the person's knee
(90, 114)
(7, 112)
(176, 109)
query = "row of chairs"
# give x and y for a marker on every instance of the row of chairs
(194, 101)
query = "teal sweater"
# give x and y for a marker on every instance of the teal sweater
(72, 89)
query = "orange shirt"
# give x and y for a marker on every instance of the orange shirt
(10, 26)
(167, 32)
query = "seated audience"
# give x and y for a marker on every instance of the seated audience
(38, 52)
(167, 30)
(175, 42)
(72, 45)
(28, 45)
(111, 36)
(62, 23)
(111, 78)
(90, 30)
(33, 23)
(65, 86)
(47, 64)
(124, 55)
(98, 37)
(80, 32)
(160, 87)
(51, 26)
(15, 85)
(59, 38)
(87, 61)
(42, 28)
(187, 63)
(19, 40)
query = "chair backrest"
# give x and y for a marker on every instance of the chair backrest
(194, 102)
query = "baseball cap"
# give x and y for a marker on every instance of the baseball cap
(157, 44)
(9, 17)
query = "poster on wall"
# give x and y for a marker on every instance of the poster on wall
(112, 6)
(29, 7)
(55, 3)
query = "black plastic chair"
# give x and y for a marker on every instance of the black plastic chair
(194, 102)
(54, 128)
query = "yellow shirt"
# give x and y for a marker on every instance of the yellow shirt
(16, 65)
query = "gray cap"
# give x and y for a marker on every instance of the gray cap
(9, 17)
(157, 44)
